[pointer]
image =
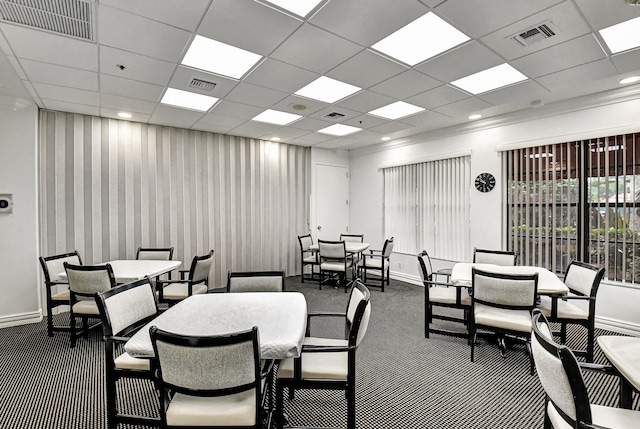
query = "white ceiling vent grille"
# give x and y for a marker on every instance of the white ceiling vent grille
(202, 85)
(334, 115)
(67, 17)
(536, 34)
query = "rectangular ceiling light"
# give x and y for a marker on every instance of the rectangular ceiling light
(276, 117)
(623, 36)
(327, 90)
(299, 7)
(217, 57)
(188, 100)
(396, 110)
(339, 130)
(421, 39)
(486, 80)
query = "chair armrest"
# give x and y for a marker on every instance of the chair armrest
(58, 282)
(372, 251)
(576, 297)
(320, 314)
(162, 282)
(596, 367)
(183, 274)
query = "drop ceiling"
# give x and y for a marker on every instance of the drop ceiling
(129, 53)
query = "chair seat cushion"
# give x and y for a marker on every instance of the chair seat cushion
(232, 410)
(514, 320)
(447, 295)
(334, 266)
(323, 366)
(375, 263)
(310, 260)
(178, 291)
(61, 296)
(566, 309)
(86, 307)
(609, 417)
(126, 361)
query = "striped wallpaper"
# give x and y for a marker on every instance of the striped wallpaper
(109, 186)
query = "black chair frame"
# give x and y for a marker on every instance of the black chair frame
(245, 274)
(496, 252)
(338, 277)
(305, 253)
(362, 268)
(190, 274)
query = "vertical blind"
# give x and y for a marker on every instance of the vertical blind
(109, 186)
(426, 206)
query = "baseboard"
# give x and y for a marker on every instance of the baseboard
(20, 319)
(407, 278)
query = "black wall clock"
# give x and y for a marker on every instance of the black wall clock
(485, 182)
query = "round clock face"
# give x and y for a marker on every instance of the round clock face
(485, 182)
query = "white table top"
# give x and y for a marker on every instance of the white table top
(281, 318)
(548, 282)
(130, 270)
(350, 246)
(624, 354)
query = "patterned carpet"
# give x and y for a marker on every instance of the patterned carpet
(404, 380)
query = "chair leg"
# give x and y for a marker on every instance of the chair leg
(473, 344)
(531, 363)
(351, 406)
(563, 333)
(590, 340)
(49, 322)
(72, 329)
(302, 275)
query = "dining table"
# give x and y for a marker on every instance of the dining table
(351, 247)
(623, 352)
(130, 270)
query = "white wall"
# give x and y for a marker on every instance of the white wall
(21, 285)
(614, 310)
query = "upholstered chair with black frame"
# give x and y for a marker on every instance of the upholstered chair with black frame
(84, 282)
(124, 310)
(496, 257)
(255, 281)
(353, 238)
(155, 254)
(197, 281)
(442, 295)
(334, 262)
(57, 290)
(328, 363)
(502, 304)
(377, 261)
(209, 381)
(567, 402)
(308, 257)
(578, 306)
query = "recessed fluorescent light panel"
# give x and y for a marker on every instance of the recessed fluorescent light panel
(486, 80)
(623, 36)
(188, 100)
(217, 57)
(299, 7)
(396, 110)
(276, 117)
(339, 130)
(630, 79)
(421, 39)
(327, 90)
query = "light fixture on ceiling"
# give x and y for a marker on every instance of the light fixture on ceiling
(299, 7)
(125, 115)
(327, 90)
(276, 117)
(630, 79)
(217, 57)
(396, 110)
(188, 100)
(385, 138)
(474, 117)
(275, 139)
(632, 2)
(489, 79)
(623, 36)
(339, 130)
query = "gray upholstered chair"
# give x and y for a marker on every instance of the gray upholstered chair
(334, 261)
(377, 261)
(583, 281)
(212, 381)
(328, 363)
(124, 310)
(502, 304)
(567, 400)
(308, 257)
(255, 281)
(155, 254)
(84, 282)
(442, 295)
(197, 282)
(57, 290)
(496, 257)
(353, 238)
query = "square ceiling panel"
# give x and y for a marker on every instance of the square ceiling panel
(59, 75)
(378, 69)
(437, 97)
(136, 66)
(178, 13)
(405, 85)
(130, 88)
(467, 59)
(280, 76)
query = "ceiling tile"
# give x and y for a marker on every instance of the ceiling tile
(73, 107)
(254, 129)
(293, 104)
(179, 13)
(66, 94)
(280, 76)
(255, 95)
(59, 75)
(311, 124)
(463, 61)
(406, 85)
(106, 112)
(130, 88)
(17, 67)
(174, 117)
(237, 110)
(365, 101)
(212, 128)
(389, 127)
(137, 67)
(576, 77)
(213, 118)
(627, 61)
(426, 118)
(378, 69)
(285, 134)
(463, 108)
(183, 76)
(437, 97)
(322, 114)
(126, 104)
(365, 121)
(521, 93)
(603, 14)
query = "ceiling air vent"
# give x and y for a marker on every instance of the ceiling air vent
(67, 17)
(334, 115)
(536, 34)
(202, 85)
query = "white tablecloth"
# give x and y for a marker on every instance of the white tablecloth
(281, 318)
(623, 353)
(350, 247)
(126, 271)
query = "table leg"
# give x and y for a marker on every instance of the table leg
(626, 393)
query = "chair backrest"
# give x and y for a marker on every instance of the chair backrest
(496, 257)
(426, 270)
(583, 279)
(560, 376)
(155, 253)
(208, 365)
(513, 291)
(358, 312)
(126, 308)
(54, 265)
(255, 281)
(387, 249)
(306, 241)
(332, 249)
(87, 280)
(200, 268)
(355, 238)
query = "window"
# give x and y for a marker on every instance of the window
(426, 206)
(577, 200)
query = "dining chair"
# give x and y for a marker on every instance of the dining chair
(353, 238)
(308, 257)
(567, 403)
(124, 310)
(377, 261)
(197, 281)
(57, 290)
(255, 281)
(155, 254)
(84, 282)
(442, 295)
(334, 261)
(209, 381)
(502, 304)
(328, 363)
(583, 281)
(496, 257)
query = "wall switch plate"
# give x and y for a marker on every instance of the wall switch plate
(6, 203)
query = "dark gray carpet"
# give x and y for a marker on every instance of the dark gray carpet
(404, 380)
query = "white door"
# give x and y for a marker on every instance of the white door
(332, 201)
